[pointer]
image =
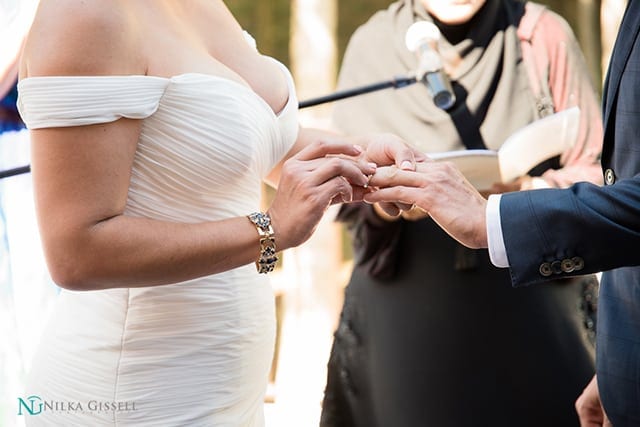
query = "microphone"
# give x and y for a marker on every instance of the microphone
(421, 38)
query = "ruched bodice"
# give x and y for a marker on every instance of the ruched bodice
(204, 345)
(181, 135)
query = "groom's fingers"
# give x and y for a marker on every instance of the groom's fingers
(444, 174)
(398, 193)
(391, 176)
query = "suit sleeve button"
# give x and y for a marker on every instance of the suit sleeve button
(545, 269)
(609, 177)
(567, 265)
(556, 267)
(578, 263)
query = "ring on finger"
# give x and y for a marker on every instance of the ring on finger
(366, 184)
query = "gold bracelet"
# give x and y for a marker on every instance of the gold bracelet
(266, 262)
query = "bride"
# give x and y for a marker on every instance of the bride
(153, 124)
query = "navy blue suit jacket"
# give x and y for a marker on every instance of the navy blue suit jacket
(588, 228)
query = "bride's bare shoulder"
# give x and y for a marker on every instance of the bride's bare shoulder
(81, 37)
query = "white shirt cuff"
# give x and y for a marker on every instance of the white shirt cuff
(495, 240)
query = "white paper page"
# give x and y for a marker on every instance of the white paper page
(537, 142)
(480, 167)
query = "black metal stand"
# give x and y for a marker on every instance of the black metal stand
(15, 171)
(396, 83)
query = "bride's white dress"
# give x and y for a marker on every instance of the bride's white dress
(187, 354)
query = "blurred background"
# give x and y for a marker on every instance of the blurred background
(309, 36)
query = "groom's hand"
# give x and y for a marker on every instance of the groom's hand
(440, 189)
(590, 409)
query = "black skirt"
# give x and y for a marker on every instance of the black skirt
(446, 343)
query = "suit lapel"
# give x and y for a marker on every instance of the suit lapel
(622, 49)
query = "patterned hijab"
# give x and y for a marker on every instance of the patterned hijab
(483, 61)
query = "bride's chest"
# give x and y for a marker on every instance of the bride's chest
(212, 128)
(245, 67)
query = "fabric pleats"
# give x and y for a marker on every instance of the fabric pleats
(192, 353)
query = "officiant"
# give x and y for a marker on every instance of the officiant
(430, 332)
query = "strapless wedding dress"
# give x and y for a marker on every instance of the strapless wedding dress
(195, 353)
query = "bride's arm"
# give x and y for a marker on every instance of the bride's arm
(81, 180)
(81, 175)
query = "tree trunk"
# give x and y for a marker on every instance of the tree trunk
(313, 290)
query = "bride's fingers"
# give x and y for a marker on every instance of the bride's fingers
(367, 168)
(365, 165)
(330, 167)
(336, 190)
(388, 149)
(327, 147)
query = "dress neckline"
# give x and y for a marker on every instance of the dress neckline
(175, 77)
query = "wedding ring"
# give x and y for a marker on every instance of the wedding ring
(366, 184)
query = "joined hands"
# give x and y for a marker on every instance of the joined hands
(438, 189)
(332, 169)
(379, 169)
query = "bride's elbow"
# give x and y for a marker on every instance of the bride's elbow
(69, 276)
(72, 270)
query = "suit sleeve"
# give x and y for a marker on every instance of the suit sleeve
(583, 229)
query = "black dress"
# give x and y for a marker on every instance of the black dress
(444, 344)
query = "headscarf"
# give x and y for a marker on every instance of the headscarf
(486, 70)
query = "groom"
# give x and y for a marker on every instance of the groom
(553, 233)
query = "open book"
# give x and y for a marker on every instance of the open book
(521, 152)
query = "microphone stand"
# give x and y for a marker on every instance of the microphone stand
(15, 171)
(396, 83)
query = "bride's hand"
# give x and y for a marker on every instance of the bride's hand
(385, 149)
(324, 172)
